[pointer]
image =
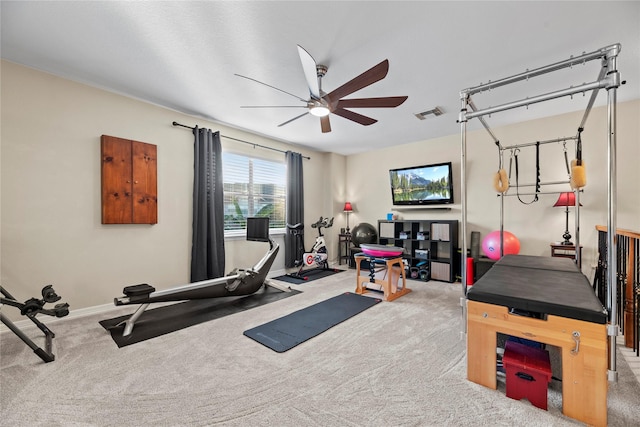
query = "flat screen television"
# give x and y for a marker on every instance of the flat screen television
(258, 229)
(422, 185)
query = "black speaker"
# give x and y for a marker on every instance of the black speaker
(482, 265)
(475, 245)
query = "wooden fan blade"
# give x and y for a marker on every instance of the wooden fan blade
(295, 118)
(365, 79)
(272, 87)
(310, 72)
(325, 124)
(358, 118)
(386, 102)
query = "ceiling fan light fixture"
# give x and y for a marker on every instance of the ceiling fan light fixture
(319, 111)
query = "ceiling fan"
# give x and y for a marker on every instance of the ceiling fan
(322, 104)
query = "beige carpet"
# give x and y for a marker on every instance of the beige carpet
(397, 364)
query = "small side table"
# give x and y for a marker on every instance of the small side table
(344, 243)
(565, 251)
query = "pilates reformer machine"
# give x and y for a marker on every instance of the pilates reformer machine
(609, 79)
(31, 308)
(237, 283)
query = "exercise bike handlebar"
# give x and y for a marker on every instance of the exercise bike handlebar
(321, 223)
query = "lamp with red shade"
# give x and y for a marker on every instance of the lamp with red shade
(564, 201)
(347, 209)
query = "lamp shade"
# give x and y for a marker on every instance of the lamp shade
(566, 199)
(347, 207)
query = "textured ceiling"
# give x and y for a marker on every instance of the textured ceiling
(183, 55)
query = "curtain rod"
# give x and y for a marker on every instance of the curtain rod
(240, 140)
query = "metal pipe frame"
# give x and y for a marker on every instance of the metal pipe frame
(609, 78)
(531, 194)
(598, 84)
(594, 95)
(612, 191)
(546, 183)
(605, 52)
(484, 123)
(548, 141)
(576, 225)
(463, 208)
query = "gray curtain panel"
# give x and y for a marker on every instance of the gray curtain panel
(295, 206)
(207, 250)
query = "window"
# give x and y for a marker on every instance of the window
(252, 187)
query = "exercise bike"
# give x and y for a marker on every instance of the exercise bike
(317, 257)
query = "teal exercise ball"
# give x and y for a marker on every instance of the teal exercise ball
(364, 233)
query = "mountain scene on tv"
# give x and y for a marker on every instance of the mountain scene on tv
(414, 184)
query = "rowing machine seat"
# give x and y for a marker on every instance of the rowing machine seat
(137, 290)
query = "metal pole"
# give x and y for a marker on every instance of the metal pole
(612, 290)
(540, 98)
(585, 57)
(484, 123)
(463, 207)
(594, 95)
(577, 229)
(533, 194)
(501, 225)
(463, 192)
(545, 183)
(548, 141)
(240, 140)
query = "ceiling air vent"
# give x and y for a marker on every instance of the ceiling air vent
(436, 112)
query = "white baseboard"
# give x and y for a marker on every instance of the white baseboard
(26, 324)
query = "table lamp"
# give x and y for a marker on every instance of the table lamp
(565, 200)
(347, 209)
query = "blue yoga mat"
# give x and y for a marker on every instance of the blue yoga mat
(287, 332)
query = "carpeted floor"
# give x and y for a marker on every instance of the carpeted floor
(399, 363)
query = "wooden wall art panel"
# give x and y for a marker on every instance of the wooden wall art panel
(129, 181)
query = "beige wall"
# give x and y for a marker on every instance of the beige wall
(51, 216)
(51, 230)
(538, 224)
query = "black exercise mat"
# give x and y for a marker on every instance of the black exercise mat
(166, 319)
(310, 276)
(287, 332)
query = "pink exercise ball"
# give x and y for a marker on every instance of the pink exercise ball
(491, 244)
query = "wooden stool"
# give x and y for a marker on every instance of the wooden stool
(394, 270)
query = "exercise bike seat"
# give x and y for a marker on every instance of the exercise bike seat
(295, 227)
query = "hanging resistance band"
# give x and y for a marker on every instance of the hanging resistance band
(566, 158)
(535, 197)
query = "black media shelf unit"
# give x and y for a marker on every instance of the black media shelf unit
(433, 241)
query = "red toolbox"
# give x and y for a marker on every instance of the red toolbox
(528, 372)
